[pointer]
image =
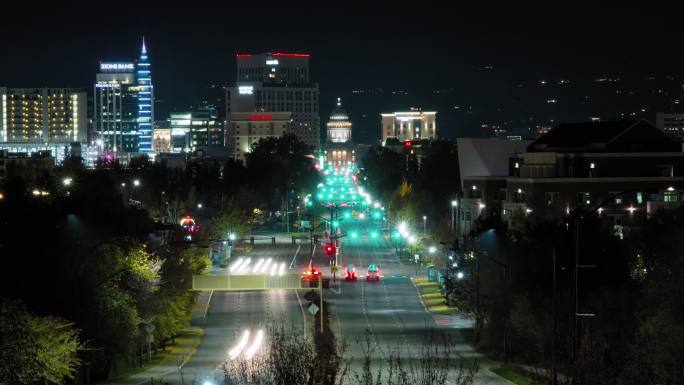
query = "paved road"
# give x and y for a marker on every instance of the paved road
(388, 315)
(227, 316)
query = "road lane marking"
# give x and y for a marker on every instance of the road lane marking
(299, 246)
(206, 310)
(303, 313)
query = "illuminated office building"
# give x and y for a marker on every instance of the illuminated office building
(40, 119)
(124, 108)
(116, 109)
(250, 127)
(415, 124)
(277, 82)
(194, 130)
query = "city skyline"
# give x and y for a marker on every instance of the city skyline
(467, 51)
(336, 194)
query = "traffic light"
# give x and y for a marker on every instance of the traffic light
(330, 249)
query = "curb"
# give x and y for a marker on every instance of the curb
(420, 297)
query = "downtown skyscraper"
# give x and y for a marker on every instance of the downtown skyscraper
(275, 82)
(145, 102)
(124, 108)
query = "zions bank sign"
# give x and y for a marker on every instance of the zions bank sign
(117, 67)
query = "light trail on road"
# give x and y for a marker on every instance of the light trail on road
(235, 352)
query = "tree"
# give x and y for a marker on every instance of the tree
(439, 175)
(277, 165)
(18, 358)
(57, 344)
(34, 348)
(383, 171)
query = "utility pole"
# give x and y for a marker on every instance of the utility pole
(506, 311)
(312, 226)
(477, 301)
(287, 209)
(554, 369)
(452, 219)
(575, 292)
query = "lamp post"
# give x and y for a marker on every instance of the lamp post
(161, 207)
(424, 225)
(577, 218)
(454, 204)
(136, 183)
(503, 265)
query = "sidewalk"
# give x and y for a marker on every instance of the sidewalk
(179, 354)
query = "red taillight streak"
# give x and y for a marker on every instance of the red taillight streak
(279, 54)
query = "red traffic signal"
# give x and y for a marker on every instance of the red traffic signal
(330, 248)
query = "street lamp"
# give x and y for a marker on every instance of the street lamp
(199, 205)
(454, 204)
(136, 182)
(67, 181)
(424, 225)
(432, 249)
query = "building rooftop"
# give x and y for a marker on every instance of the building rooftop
(616, 136)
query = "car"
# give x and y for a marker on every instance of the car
(373, 273)
(350, 272)
(312, 275)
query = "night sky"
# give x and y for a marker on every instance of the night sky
(418, 48)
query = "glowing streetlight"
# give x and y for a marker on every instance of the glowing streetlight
(432, 249)
(199, 205)
(136, 182)
(424, 225)
(460, 275)
(67, 181)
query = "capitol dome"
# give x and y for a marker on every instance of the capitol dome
(339, 113)
(339, 125)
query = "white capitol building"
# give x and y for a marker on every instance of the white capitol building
(339, 149)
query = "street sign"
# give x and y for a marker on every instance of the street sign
(313, 309)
